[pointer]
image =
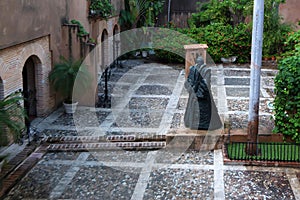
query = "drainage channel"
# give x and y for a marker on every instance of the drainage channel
(87, 143)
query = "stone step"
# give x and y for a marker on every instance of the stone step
(105, 146)
(139, 138)
(121, 138)
(97, 139)
(75, 139)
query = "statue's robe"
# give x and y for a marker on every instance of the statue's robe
(201, 112)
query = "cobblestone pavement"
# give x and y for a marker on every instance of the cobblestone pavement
(150, 99)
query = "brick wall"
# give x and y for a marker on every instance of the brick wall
(12, 61)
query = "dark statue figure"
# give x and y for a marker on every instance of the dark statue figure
(201, 112)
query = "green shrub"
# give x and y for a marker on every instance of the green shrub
(223, 40)
(168, 57)
(168, 45)
(275, 33)
(234, 13)
(81, 30)
(230, 12)
(292, 44)
(139, 13)
(287, 89)
(101, 8)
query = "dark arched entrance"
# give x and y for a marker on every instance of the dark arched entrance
(104, 49)
(29, 86)
(116, 45)
(104, 100)
(1, 89)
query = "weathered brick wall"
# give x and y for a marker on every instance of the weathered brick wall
(12, 61)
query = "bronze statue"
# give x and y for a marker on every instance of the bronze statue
(201, 112)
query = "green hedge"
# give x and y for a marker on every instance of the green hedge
(224, 40)
(224, 22)
(287, 89)
(168, 45)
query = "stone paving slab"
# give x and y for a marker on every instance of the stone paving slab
(60, 156)
(119, 156)
(257, 185)
(100, 182)
(180, 184)
(38, 183)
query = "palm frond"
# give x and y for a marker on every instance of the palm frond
(64, 74)
(12, 114)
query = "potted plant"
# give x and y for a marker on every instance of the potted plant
(12, 115)
(63, 77)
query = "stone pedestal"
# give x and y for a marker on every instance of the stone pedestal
(192, 51)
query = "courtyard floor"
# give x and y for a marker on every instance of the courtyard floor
(149, 99)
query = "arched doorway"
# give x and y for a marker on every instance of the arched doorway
(1, 89)
(116, 45)
(104, 49)
(29, 86)
(104, 100)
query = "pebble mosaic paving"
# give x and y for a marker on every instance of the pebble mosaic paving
(157, 174)
(257, 185)
(101, 182)
(150, 175)
(193, 184)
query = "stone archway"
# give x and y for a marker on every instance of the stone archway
(116, 45)
(104, 49)
(104, 67)
(1, 89)
(30, 89)
(38, 50)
